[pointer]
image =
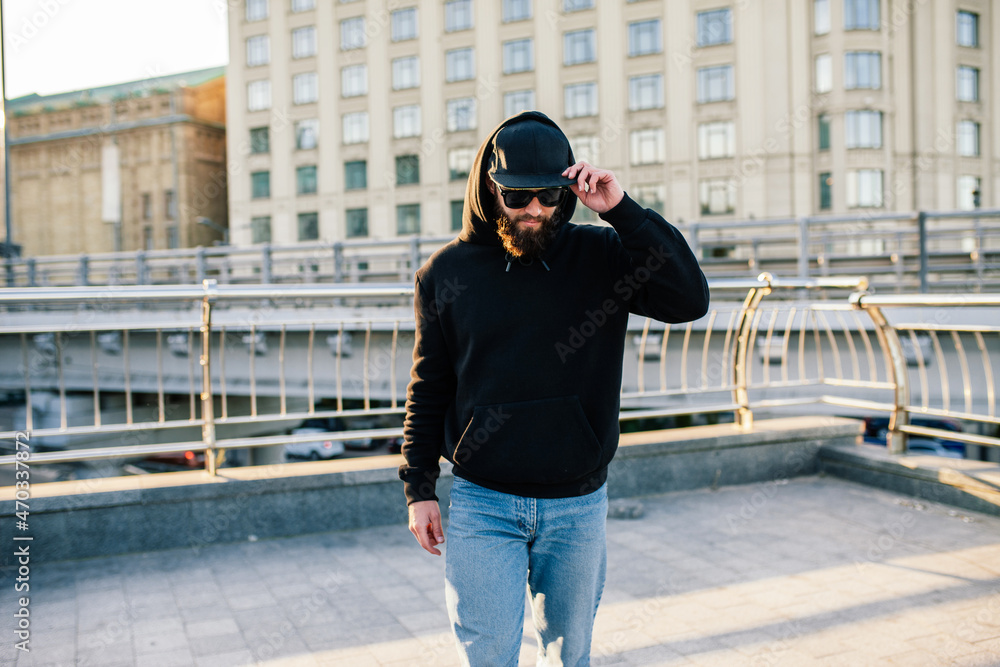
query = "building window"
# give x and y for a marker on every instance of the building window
(864, 188)
(715, 84)
(461, 114)
(967, 193)
(518, 56)
(260, 140)
(258, 95)
(644, 38)
(457, 15)
(824, 131)
(517, 101)
(460, 163)
(715, 27)
(821, 17)
(260, 184)
(404, 24)
(352, 33)
(355, 127)
(647, 146)
(717, 196)
(308, 226)
(645, 92)
(258, 50)
(825, 191)
(862, 69)
(357, 222)
(147, 206)
(457, 209)
(516, 10)
(305, 180)
(260, 229)
(407, 219)
(579, 46)
(302, 5)
(716, 140)
(173, 237)
(968, 84)
(306, 134)
(863, 129)
(147, 239)
(256, 10)
(968, 138)
(304, 42)
(354, 80)
(577, 5)
(967, 29)
(459, 64)
(587, 148)
(581, 100)
(406, 121)
(305, 88)
(356, 175)
(407, 169)
(650, 196)
(405, 73)
(170, 204)
(824, 73)
(861, 15)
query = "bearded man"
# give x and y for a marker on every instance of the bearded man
(517, 370)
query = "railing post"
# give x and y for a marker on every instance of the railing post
(922, 235)
(265, 264)
(32, 272)
(140, 268)
(895, 440)
(804, 248)
(212, 458)
(693, 239)
(414, 258)
(82, 276)
(338, 262)
(741, 395)
(200, 267)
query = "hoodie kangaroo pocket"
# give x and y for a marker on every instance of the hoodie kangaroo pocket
(532, 442)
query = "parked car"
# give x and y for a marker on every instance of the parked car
(933, 447)
(877, 428)
(320, 448)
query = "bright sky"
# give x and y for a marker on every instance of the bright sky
(54, 46)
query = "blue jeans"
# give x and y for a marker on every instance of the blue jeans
(497, 545)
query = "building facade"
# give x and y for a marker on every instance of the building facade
(132, 166)
(359, 119)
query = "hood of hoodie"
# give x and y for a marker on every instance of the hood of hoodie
(478, 223)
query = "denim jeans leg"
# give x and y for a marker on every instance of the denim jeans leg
(567, 568)
(486, 566)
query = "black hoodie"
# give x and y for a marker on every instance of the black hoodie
(517, 365)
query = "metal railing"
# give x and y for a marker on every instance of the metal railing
(767, 345)
(900, 252)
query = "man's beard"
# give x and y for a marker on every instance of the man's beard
(526, 241)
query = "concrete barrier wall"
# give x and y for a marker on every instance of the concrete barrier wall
(88, 518)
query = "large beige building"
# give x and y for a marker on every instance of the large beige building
(126, 167)
(360, 118)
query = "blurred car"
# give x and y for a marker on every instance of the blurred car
(877, 428)
(176, 461)
(933, 447)
(320, 448)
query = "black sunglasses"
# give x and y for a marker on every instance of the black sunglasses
(521, 198)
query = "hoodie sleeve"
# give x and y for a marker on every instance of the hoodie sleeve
(430, 392)
(660, 276)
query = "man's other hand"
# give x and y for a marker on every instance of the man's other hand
(425, 524)
(598, 189)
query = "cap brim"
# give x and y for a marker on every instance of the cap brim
(532, 181)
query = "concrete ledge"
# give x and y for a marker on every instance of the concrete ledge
(973, 485)
(97, 517)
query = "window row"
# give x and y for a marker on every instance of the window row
(355, 224)
(865, 15)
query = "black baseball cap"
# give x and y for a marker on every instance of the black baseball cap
(530, 154)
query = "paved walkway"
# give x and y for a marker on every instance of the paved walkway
(814, 571)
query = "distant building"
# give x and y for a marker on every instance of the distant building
(358, 119)
(126, 167)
